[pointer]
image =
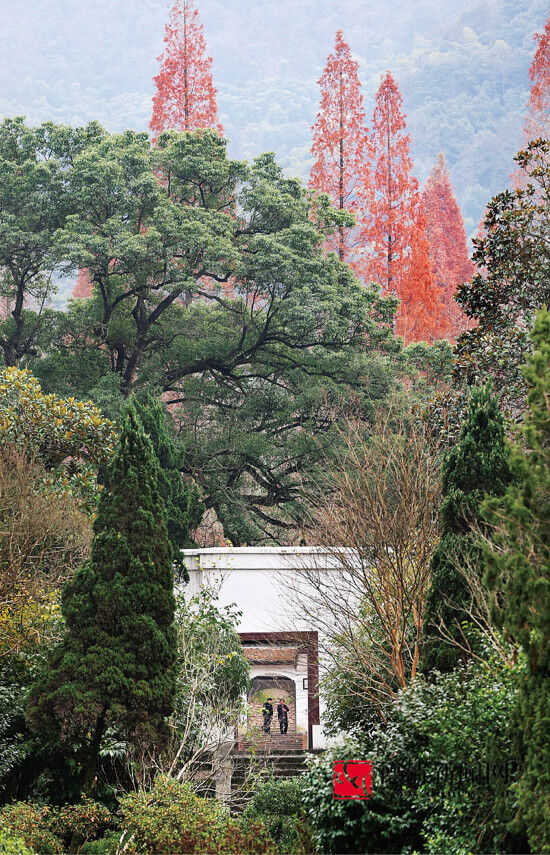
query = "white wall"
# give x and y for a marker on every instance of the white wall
(262, 583)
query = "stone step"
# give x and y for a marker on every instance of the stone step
(282, 751)
(279, 763)
(272, 744)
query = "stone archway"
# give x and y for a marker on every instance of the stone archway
(266, 687)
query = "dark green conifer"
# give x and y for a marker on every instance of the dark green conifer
(519, 570)
(184, 508)
(115, 666)
(475, 467)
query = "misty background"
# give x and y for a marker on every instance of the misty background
(462, 67)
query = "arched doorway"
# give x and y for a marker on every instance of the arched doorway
(263, 688)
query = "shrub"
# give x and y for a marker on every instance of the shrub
(451, 725)
(87, 819)
(30, 822)
(277, 796)
(12, 845)
(47, 829)
(104, 846)
(277, 802)
(171, 818)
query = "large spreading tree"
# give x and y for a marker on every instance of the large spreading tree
(115, 667)
(211, 288)
(340, 149)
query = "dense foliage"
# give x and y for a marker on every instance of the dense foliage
(71, 438)
(513, 261)
(475, 467)
(50, 830)
(182, 502)
(44, 538)
(518, 555)
(171, 818)
(431, 788)
(278, 804)
(115, 664)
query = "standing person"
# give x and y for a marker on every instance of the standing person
(267, 712)
(282, 715)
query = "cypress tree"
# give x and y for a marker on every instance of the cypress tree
(475, 467)
(184, 508)
(519, 568)
(115, 666)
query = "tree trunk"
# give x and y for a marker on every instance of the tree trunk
(90, 770)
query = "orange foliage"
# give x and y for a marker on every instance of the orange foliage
(421, 315)
(185, 97)
(339, 148)
(451, 264)
(538, 121)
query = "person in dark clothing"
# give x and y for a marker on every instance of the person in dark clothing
(267, 712)
(282, 715)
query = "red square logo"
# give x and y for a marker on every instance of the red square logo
(352, 780)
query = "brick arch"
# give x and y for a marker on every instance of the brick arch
(271, 686)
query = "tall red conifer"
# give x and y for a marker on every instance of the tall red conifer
(185, 97)
(538, 120)
(420, 316)
(450, 261)
(392, 191)
(339, 148)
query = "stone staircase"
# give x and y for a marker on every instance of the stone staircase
(266, 755)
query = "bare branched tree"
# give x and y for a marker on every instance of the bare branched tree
(378, 526)
(476, 633)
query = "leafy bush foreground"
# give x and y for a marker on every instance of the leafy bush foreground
(167, 818)
(431, 788)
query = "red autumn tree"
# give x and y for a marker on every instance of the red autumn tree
(340, 148)
(83, 287)
(450, 261)
(420, 316)
(185, 97)
(538, 120)
(392, 191)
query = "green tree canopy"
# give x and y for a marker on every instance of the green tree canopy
(116, 664)
(518, 558)
(35, 166)
(513, 260)
(210, 285)
(475, 467)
